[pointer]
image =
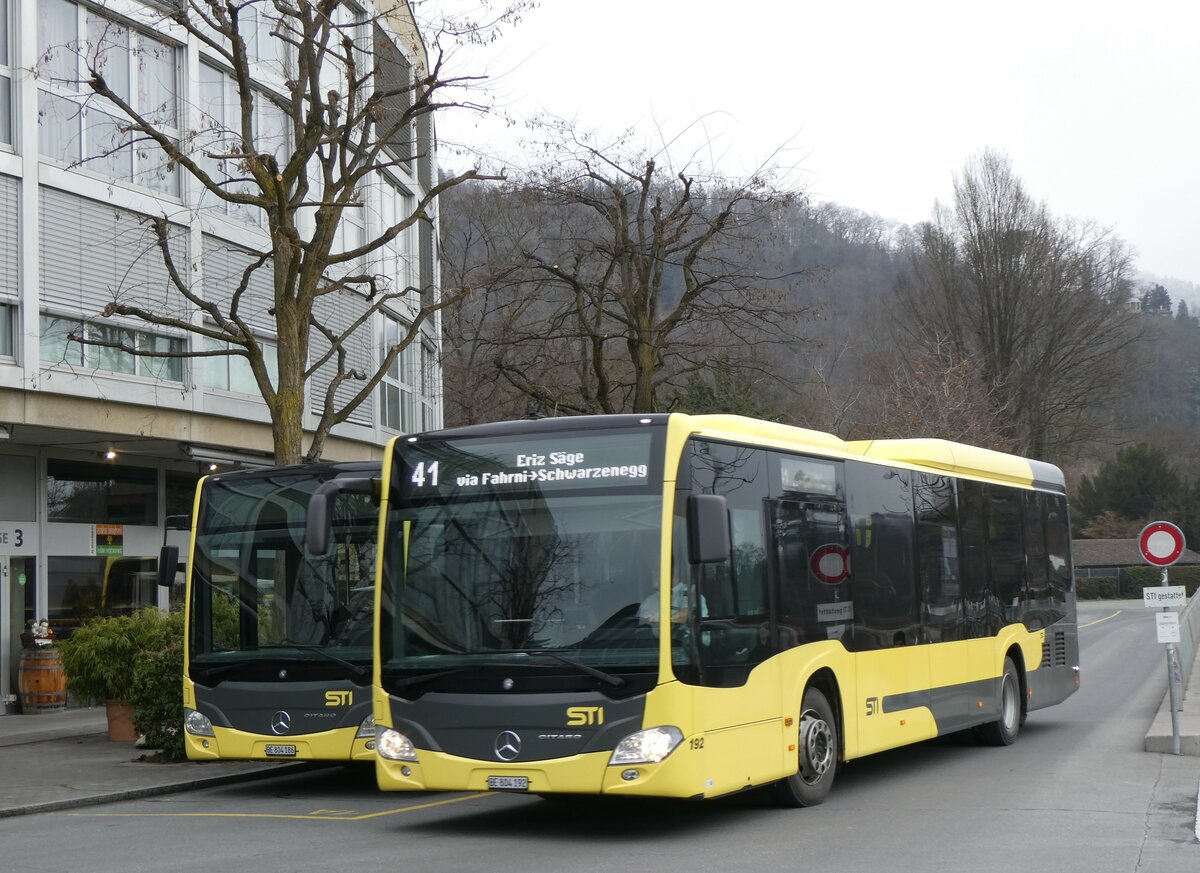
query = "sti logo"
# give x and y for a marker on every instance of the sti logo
(578, 716)
(339, 698)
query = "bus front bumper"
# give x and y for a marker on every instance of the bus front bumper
(228, 744)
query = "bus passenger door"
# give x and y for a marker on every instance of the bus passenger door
(892, 661)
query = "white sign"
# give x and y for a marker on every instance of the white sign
(843, 611)
(1164, 595)
(1168, 626)
(17, 538)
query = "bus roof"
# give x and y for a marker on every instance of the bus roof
(319, 469)
(964, 460)
(930, 454)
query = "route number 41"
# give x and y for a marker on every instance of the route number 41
(425, 472)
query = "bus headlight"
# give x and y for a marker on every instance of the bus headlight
(394, 745)
(647, 747)
(197, 723)
(366, 730)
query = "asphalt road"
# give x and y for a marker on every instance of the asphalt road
(1076, 793)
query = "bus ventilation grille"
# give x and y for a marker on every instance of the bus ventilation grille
(1054, 650)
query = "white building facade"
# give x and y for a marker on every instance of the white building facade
(100, 450)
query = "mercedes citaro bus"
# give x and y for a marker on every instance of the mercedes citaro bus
(279, 642)
(681, 606)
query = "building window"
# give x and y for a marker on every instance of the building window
(396, 266)
(405, 403)
(255, 26)
(95, 493)
(79, 128)
(6, 132)
(220, 134)
(232, 372)
(181, 497)
(58, 347)
(8, 319)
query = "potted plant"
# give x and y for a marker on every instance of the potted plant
(99, 659)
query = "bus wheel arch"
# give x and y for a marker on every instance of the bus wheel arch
(1018, 659)
(819, 747)
(1003, 731)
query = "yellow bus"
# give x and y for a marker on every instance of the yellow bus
(279, 642)
(678, 606)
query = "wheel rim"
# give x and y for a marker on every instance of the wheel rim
(816, 746)
(1008, 702)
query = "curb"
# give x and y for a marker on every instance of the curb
(166, 788)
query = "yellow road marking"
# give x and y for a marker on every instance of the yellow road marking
(277, 815)
(1097, 621)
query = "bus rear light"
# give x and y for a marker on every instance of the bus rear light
(197, 724)
(394, 745)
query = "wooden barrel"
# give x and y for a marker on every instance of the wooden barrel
(41, 680)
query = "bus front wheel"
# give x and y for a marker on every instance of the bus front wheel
(1003, 731)
(818, 754)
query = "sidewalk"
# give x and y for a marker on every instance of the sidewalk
(63, 760)
(1160, 737)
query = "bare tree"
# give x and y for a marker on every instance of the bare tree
(301, 158)
(624, 279)
(1028, 309)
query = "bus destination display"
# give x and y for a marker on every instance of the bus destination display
(558, 462)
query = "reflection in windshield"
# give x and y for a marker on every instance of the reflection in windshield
(496, 576)
(255, 589)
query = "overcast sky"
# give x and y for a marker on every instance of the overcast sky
(878, 104)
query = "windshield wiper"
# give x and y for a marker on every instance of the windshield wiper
(426, 677)
(214, 671)
(608, 678)
(356, 669)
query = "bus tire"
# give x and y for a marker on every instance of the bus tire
(818, 754)
(1003, 731)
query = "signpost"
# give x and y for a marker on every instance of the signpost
(1161, 544)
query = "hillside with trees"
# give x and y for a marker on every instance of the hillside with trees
(614, 282)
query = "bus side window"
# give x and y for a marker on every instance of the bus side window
(972, 509)
(1058, 552)
(879, 501)
(1036, 561)
(937, 558)
(811, 552)
(734, 609)
(1006, 553)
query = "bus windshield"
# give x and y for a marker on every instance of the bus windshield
(257, 595)
(543, 553)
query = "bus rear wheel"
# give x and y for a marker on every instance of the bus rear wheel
(818, 754)
(1003, 731)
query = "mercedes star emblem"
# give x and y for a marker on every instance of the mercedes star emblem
(281, 722)
(508, 746)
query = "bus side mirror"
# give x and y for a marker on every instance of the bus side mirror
(168, 559)
(319, 524)
(708, 529)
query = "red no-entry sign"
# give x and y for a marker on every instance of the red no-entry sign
(1161, 543)
(830, 564)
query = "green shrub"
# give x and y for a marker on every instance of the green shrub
(1131, 582)
(138, 659)
(99, 656)
(1096, 587)
(158, 693)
